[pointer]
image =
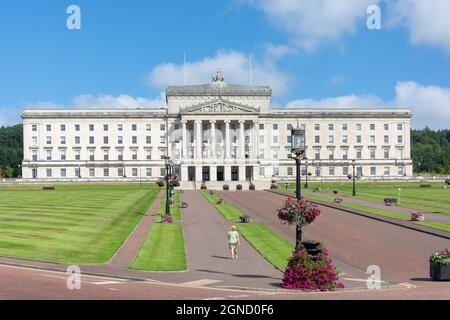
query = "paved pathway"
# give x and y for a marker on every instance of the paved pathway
(429, 216)
(205, 232)
(353, 240)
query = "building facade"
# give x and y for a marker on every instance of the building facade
(216, 133)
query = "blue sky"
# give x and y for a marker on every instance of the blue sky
(314, 53)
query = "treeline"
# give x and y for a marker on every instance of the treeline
(11, 151)
(430, 151)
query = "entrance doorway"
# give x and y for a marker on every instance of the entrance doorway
(191, 173)
(234, 173)
(220, 174)
(249, 173)
(205, 174)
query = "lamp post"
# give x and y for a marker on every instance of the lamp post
(306, 174)
(298, 147)
(169, 166)
(354, 177)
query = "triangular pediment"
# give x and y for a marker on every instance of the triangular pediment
(220, 107)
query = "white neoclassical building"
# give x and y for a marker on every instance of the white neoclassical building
(219, 133)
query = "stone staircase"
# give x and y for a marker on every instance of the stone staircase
(218, 185)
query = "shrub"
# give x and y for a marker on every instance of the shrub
(252, 187)
(447, 181)
(226, 187)
(336, 191)
(310, 273)
(220, 201)
(273, 186)
(390, 201)
(316, 189)
(160, 183)
(239, 187)
(203, 186)
(425, 185)
(442, 257)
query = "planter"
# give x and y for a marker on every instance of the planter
(439, 271)
(239, 187)
(273, 186)
(226, 187)
(252, 187)
(312, 247)
(417, 216)
(245, 219)
(48, 188)
(338, 200)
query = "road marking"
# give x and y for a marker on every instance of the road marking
(107, 282)
(113, 289)
(364, 280)
(214, 298)
(239, 296)
(200, 283)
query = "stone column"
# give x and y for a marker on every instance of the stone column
(213, 139)
(241, 140)
(198, 139)
(227, 140)
(213, 173)
(255, 139)
(184, 154)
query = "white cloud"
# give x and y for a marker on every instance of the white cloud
(123, 101)
(9, 116)
(430, 105)
(428, 21)
(311, 22)
(235, 67)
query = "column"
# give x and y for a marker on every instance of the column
(184, 154)
(198, 139)
(213, 173)
(255, 139)
(227, 140)
(213, 139)
(241, 140)
(184, 173)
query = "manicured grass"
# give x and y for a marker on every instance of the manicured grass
(163, 249)
(268, 243)
(175, 210)
(435, 199)
(228, 210)
(436, 225)
(79, 224)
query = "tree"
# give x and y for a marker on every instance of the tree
(11, 149)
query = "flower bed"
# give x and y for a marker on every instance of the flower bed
(311, 272)
(299, 212)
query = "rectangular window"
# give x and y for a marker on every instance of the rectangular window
(105, 127)
(372, 127)
(162, 172)
(275, 155)
(162, 139)
(316, 139)
(119, 140)
(63, 173)
(386, 153)
(105, 140)
(49, 155)
(63, 127)
(330, 139)
(276, 171)
(148, 139)
(331, 171)
(400, 171)
(289, 127)
(63, 140)
(148, 154)
(91, 172)
(77, 155)
(91, 155)
(372, 139)
(345, 171)
(275, 140)
(91, 127)
(358, 153)
(261, 154)
(34, 141)
(317, 154)
(387, 171)
(331, 127)
(400, 139)
(359, 171)
(34, 155)
(344, 154)
(134, 127)
(372, 153)
(261, 139)
(148, 127)
(358, 139)
(275, 127)
(358, 126)
(399, 126)
(77, 140)
(134, 139)
(77, 127)
(373, 171)
(386, 127)
(134, 172)
(49, 140)
(261, 126)
(289, 140)
(119, 155)
(77, 173)
(106, 172)
(63, 155)
(119, 127)
(345, 139)
(162, 127)
(91, 140)
(49, 173)
(386, 139)
(49, 127)
(120, 172)
(344, 127)
(290, 171)
(331, 154)
(133, 154)
(105, 155)
(317, 127)
(34, 128)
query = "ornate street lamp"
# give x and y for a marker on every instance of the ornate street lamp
(354, 177)
(298, 148)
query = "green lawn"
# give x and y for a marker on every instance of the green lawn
(435, 199)
(163, 250)
(175, 209)
(276, 249)
(436, 225)
(228, 210)
(80, 224)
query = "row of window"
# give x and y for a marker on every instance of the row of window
(77, 140)
(107, 172)
(91, 155)
(106, 127)
(345, 171)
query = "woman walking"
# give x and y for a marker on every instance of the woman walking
(233, 242)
